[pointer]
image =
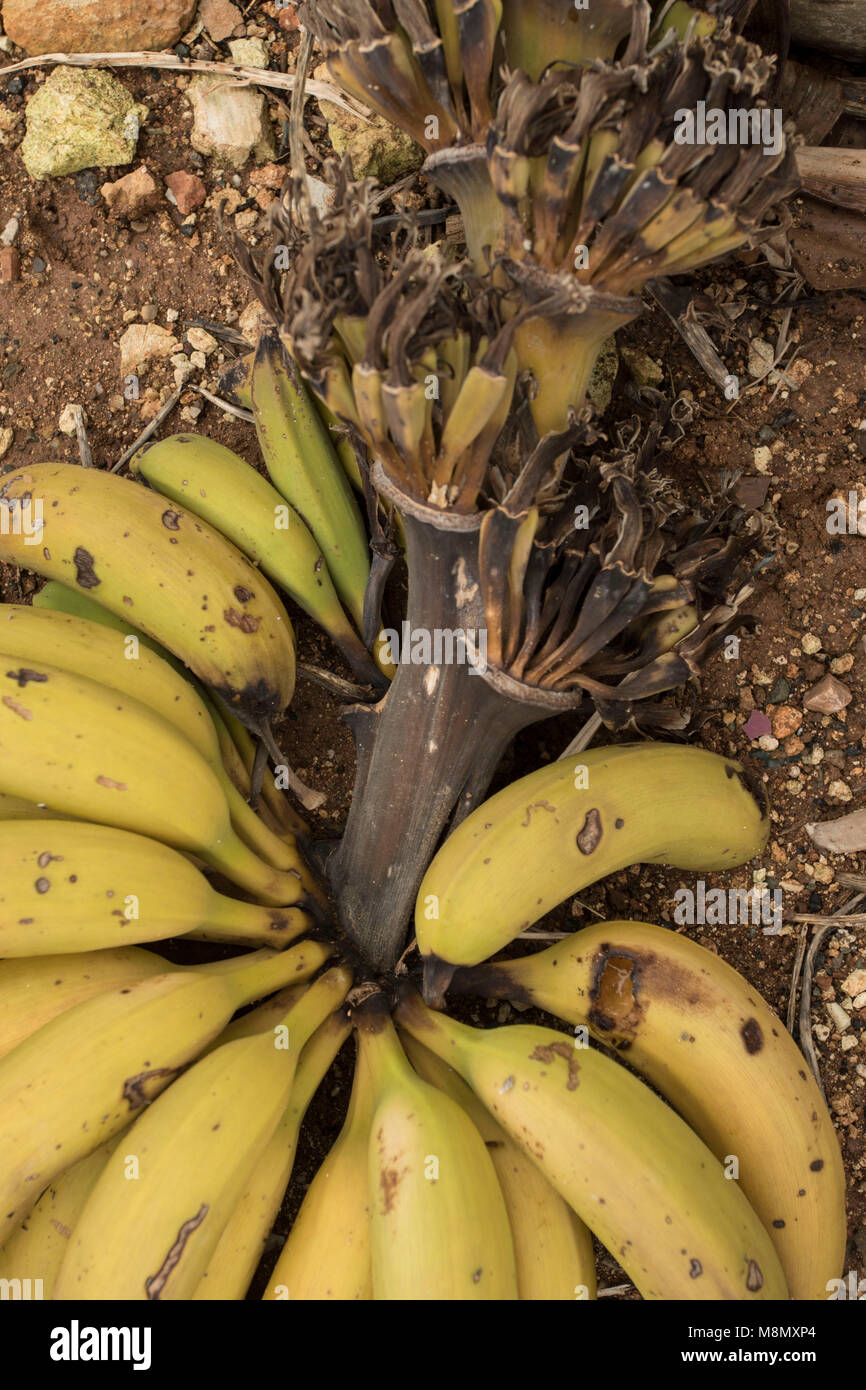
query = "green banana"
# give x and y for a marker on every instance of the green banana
(209, 480)
(303, 466)
(708, 1042)
(179, 580)
(549, 834)
(643, 1182)
(82, 1076)
(195, 1148)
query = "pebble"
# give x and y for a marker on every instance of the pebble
(841, 665)
(10, 265)
(148, 313)
(38, 266)
(794, 746)
(201, 340)
(10, 232)
(220, 18)
(839, 791)
(823, 873)
(810, 643)
(763, 459)
(839, 1018)
(229, 123)
(67, 423)
(80, 118)
(780, 692)
(849, 1043)
(87, 186)
(828, 696)
(133, 195)
(860, 1000)
(855, 983)
(141, 343)
(186, 190)
(7, 434)
(96, 26)
(768, 743)
(761, 357)
(785, 720)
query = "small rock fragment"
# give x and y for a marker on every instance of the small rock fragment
(229, 123)
(10, 265)
(785, 721)
(757, 725)
(220, 18)
(840, 1019)
(188, 189)
(249, 53)
(141, 343)
(855, 983)
(763, 459)
(828, 696)
(810, 644)
(839, 790)
(95, 26)
(201, 340)
(841, 665)
(7, 434)
(254, 318)
(133, 195)
(68, 422)
(80, 118)
(642, 368)
(148, 313)
(10, 232)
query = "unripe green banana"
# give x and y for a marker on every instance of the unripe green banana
(68, 1087)
(75, 886)
(35, 989)
(93, 753)
(643, 1182)
(242, 1243)
(552, 1246)
(93, 650)
(327, 1253)
(549, 834)
(180, 581)
(196, 1148)
(707, 1040)
(209, 479)
(439, 1226)
(303, 466)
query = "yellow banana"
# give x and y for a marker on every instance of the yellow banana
(643, 1182)
(552, 1246)
(155, 1216)
(304, 468)
(33, 990)
(89, 649)
(706, 1039)
(82, 1076)
(35, 1251)
(549, 834)
(208, 479)
(74, 886)
(438, 1227)
(91, 752)
(242, 1243)
(327, 1253)
(18, 808)
(177, 579)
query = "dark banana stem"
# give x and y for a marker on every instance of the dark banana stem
(419, 747)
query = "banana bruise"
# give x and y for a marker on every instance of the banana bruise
(551, 833)
(304, 468)
(641, 1179)
(196, 1148)
(131, 769)
(552, 1247)
(73, 886)
(86, 1073)
(35, 989)
(208, 479)
(710, 1044)
(176, 578)
(327, 1253)
(240, 1247)
(439, 1226)
(91, 649)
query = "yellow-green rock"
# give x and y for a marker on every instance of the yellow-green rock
(80, 118)
(603, 376)
(377, 149)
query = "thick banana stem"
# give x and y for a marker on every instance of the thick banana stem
(440, 718)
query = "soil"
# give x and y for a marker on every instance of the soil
(84, 277)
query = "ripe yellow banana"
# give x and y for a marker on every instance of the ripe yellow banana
(438, 1227)
(75, 886)
(304, 468)
(35, 1251)
(242, 1243)
(208, 479)
(68, 1087)
(327, 1253)
(33, 990)
(93, 650)
(706, 1039)
(155, 1216)
(552, 1246)
(170, 573)
(643, 1182)
(91, 752)
(18, 808)
(549, 834)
